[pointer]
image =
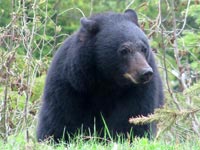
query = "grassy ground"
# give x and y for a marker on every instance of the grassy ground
(18, 142)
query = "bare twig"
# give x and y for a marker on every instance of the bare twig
(157, 21)
(166, 75)
(130, 4)
(176, 54)
(91, 7)
(4, 119)
(185, 19)
(165, 67)
(26, 102)
(72, 9)
(28, 40)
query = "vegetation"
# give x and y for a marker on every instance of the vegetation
(78, 144)
(32, 30)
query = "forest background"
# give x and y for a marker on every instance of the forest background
(32, 30)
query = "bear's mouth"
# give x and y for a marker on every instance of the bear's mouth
(141, 80)
(129, 76)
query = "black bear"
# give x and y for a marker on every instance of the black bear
(103, 73)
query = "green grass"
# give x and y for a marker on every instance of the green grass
(18, 142)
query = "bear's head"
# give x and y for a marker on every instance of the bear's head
(119, 47)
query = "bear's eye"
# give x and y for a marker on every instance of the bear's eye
(143, 49)
(124, 51)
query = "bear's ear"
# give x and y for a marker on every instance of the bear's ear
(131, 14)
(89, 25)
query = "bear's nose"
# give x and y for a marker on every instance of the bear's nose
(146, 75)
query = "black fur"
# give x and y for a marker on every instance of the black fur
(86, 79)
